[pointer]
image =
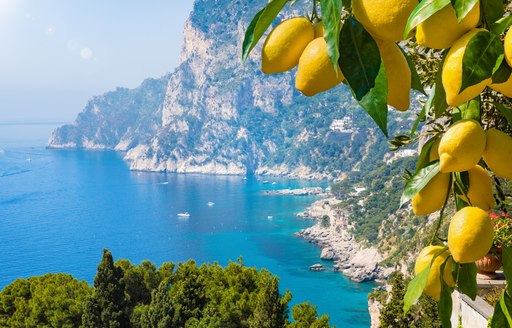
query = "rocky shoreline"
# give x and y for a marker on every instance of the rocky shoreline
(296, 192)
(332, 233)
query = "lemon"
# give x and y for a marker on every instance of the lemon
(284, 45)
(319, 29)
(461, 147)
(384, 19)
(508, 47)
(432, 197)
(470, 235)
(498, 153)
(316, 73)
(398, 74)
(452, 72)
(442, 29)
(480, 189)
(505, 88)
(434, 150)
(433, 287)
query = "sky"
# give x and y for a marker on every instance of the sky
(57, 54)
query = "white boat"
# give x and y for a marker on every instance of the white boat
(210, 204)
(270, 217)
(184, 215)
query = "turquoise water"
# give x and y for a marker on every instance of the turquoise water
(59, 209)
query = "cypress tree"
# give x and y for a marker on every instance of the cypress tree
(106, 306)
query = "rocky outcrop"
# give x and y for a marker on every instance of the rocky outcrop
(215, 114)
(339, 244)
(295, 192)
(374, 308)
(120, 119)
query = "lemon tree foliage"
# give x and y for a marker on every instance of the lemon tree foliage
(460, 52)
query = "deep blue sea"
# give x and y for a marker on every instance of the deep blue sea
(60, 208)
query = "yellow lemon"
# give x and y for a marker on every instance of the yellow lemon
(461, 147)
(433, 287)
(505, 88)
(316, 73)
(508, 47)
(432, 197)
(384, 19)
(285, 44)
(319, 29)
(470, 235)
(452, 72)
(498, 153)
(442, 29)
(480, 189)
(398, 74)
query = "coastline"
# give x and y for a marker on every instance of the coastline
(332, 232)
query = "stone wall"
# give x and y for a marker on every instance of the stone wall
(471, 314)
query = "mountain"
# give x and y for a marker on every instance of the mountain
(215, 114)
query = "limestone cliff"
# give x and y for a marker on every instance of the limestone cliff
(214, 114)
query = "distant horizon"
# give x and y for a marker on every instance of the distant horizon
(34, 122)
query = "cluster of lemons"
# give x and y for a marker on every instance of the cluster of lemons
(470, 233)
(299, 42)
(387, 19)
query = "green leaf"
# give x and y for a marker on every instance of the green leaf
(493, 10)
(463, 7)
(505, 110)
(439, 94)
(331, 16)
(375, 101)
(471, 109)
(507, 265)
(501, 25)
(422, 12)
(445, 302)
(423, 158)
(506, 307)
(421, 116)
(467, 280)
(498, 318)
(502, 74)
(415, 288)
(482, 57)
(359, 58)
(415, 78)
(418, 181)
(259, 25)
(462, 181)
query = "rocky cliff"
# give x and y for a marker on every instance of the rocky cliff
(214, 114)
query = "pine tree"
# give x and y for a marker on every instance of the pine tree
(271, 309)
(106, 307)
(160, 313)
(306, 316)
(392, 315)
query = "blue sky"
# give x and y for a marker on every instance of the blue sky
(57, 54)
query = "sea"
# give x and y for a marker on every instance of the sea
(60, 208)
